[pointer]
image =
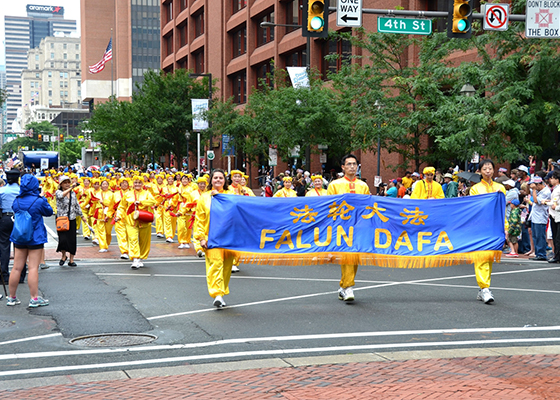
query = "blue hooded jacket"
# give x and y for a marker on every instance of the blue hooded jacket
(29, 193)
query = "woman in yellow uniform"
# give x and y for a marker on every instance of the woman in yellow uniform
(428, 188)
(202, 183)
(84, 196)
(139, 233)
(104, 216)
(94, 195)
(248, 191)
(170, 202)
(218, 268)
(120, 226)
(317, 189)
(184, 214)
(483, 270)
(156, 189)
(287, 190)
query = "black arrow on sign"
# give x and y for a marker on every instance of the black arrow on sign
(345, 18)
(495, 14)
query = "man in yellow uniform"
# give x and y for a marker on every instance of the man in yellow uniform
(428, 188)
(348, 184)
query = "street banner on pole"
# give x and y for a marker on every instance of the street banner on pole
(199, 106)
(298, 76)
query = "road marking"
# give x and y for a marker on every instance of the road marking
(291, 338)
(30, 338)
(257, 353)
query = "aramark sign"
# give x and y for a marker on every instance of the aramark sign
(32, 8)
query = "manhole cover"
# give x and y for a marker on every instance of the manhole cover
(6, 324)
(114, 339)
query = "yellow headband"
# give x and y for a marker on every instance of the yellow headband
(429, 170)
(287, 179)
(236, 171)
(316, 177)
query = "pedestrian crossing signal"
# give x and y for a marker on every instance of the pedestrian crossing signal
(459, 20)
(316, 18)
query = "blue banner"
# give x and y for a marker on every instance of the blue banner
(359, 229)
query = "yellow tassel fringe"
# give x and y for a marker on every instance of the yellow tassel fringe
(379, 260)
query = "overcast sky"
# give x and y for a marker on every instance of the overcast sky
(17, 8)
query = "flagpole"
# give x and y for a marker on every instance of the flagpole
(112, 80)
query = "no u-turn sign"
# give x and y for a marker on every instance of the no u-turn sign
(496, 17)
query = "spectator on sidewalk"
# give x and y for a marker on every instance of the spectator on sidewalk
(502, 175)
(451, 187)
(511, 193)
(67, 206)
(514, 229)
(540, 195)
(554, 212)
(8, 194)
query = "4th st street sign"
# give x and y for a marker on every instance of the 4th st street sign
(406, 26)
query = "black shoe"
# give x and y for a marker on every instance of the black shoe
(72, 264)
(553, 261)
(537, 259)
(62, 261)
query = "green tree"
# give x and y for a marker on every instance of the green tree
(3, 96)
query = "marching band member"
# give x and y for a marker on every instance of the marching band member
(428, 188)
(483, 270)
(120, 226)
(156, 189)
(287, 190)
(93, 204)
(139, 232)
(349, 183)
(202, 183)
(104, 215)
(218, 268)
(248, 191)
(317, 189)
(170, 202)
(184, 229)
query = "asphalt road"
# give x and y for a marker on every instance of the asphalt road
(272, 311)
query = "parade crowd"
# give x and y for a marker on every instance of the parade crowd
(130, 202)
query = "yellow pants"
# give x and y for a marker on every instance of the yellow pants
(85, 228)
(139, 240)
(103, 231)
(122, 237)
(158, 216)
(52, 203)
(483, 272)
(183, 233)
(218, 273)
(169, 225)
(197, 245)
(348, 274)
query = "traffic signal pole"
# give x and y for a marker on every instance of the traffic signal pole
(427, 14)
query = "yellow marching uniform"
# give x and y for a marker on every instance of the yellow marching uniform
(218, 268)
(170, 196)
(483, 270)
(314, 192)
(156, 189)
(341, 186)
(103, 215)
(139, 233)
(195, 194)
(120, 225)
(285, 192)
(49, 188)
(427, 190)
(184, 231)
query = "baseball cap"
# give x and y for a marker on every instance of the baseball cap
(448, 175)
(416, 174)
(502, 169)
(536, 179)
(509, 182)
(515, 202)
(523, 168)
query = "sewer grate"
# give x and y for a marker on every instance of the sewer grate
(114, 339)
(6, 324)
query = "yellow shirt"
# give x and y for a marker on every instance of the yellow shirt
(314, 192)
(407, 182)
(484, 187)
(284, 192)
(427, 190)
(130, 197)
(345, 185)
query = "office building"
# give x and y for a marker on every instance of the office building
(134, 26)
(23, 34)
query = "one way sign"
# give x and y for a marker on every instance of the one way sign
(349, 13)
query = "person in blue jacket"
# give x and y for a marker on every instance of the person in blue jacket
(29, 199)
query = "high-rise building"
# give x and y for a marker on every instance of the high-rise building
(134, 26)
(22, 34)
(3, 106)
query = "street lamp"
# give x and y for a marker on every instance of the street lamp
(378, 105)
(467, 90)
(187, 136)
(209, 76)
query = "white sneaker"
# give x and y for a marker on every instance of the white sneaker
(348, 294)
(160, 235)
(125, 256)
(169, 240)
(219, 302)
(200, 253)
(234, 269)
(341, 293)
(95, 241)
(186, 246)
(485, 295)
(140, 263)
(103, 250)
(135, 264)
(181, 246)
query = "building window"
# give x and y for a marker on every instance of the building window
(65, 65)
(168, 11)
(65, 83)
(50, 103)
(65, 56)
(182, 63)
(61, 84)
(239, 83)
(198, 62)
(64, 46)
(50, 74)
(182, 34)
(50, 83)
(294, 14)
(65, 93)
(239, 42)
(79, 83)
(168, 43)
(265, 35)
(77, 56)
(52, 45)
(265, 75)
(52, 56)
(77, 46)
(238, 5)
(37, 75)
(36, 66)
(198, 24)
(79, 93)
(62, 93)
(182, 5)
(296, 59)
(340, 48)
(42, 115)
(36, 57)
(52, 65)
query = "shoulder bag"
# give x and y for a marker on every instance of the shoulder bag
(63, 223)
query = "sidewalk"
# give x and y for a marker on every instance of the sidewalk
(446, 374)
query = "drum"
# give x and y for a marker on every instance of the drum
(143, 216)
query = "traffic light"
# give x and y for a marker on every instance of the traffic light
(315, 18)
(40, 137)
(61, 137)
(459, 19)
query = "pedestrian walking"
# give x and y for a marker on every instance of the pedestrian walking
(31, 251)
(67, 205)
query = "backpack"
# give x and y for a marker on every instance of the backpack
(22, 233)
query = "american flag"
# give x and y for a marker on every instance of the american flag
(94, 69)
